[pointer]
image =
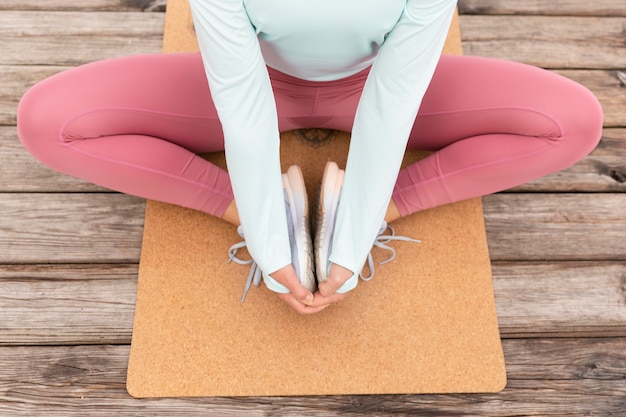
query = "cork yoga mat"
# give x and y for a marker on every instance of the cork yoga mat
(426, 323)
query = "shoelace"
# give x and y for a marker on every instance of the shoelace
(381, 242)
(255, 274)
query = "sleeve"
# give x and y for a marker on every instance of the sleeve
(385, 116)
(241, 91)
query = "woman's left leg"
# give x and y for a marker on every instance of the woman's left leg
(494, 125)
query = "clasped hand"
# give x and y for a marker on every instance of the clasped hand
(303, 300)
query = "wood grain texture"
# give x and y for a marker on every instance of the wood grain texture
(64, 38)
(549, 42)
(90, 302)
(67, 304)
(94, 303)
(607, 8)
(107, 228)
(540, 42)
(70, 228)
(556, 226)
(560, 298)
(85, 5)
(564, 377)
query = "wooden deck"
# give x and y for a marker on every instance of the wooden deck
(69, 251)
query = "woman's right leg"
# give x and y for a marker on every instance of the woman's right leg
(134, 125)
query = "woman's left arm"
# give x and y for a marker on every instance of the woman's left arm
(387, 109)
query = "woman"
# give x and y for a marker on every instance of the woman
(135, 124)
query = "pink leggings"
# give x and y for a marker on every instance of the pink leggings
(135, 125)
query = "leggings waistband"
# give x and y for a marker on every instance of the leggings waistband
(300, 88)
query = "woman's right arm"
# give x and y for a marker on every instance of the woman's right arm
(242, 94)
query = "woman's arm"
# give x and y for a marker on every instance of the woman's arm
(242, 94)
(391, 97)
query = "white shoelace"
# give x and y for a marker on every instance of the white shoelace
(381, 241)
(255, 274)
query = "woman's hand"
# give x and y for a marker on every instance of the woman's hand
(337, 276)
(303, 300)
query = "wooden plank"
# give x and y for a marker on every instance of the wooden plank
(543, 7)
(556, 226)
(64, 38)
(546, 377)
(67, 304)
(560, 298)
(94, 303)
(70, 228)
(608, 8)
(545, 41)
(107, 228)
(85, 5)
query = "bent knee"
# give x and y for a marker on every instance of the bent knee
(40, 118)
(581, 127)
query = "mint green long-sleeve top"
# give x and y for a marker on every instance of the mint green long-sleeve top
(318, 40)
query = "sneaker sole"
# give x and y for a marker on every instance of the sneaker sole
(299, 205)
(329, 194)
(293, 184)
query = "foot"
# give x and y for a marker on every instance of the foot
(327, 203)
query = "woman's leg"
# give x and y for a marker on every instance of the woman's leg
(494, 125)
(134, 125)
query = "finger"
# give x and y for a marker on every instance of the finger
(321, 300)
(287, 277)
(337, 276)
(298, 306)
(329, 288)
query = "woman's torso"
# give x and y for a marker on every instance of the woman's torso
(322, 39)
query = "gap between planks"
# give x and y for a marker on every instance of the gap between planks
(545, 377)
(94, 304)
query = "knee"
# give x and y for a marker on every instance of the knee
(38, 122)
(581, 128)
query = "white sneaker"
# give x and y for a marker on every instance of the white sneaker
(296, 205)
(299, 227)
(327, 203)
